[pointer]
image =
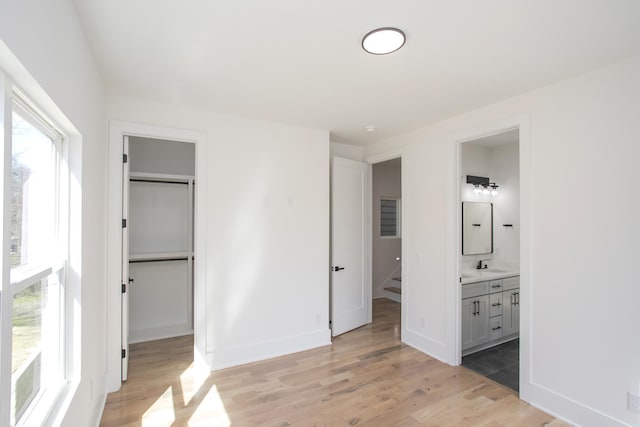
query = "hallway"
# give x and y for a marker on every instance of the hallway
(366, 377)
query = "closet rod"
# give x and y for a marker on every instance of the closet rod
(158, 181)
(158, 259)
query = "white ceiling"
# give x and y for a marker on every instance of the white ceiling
(300, 62)
(498, 139)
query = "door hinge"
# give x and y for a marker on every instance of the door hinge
(124, 288)
(125, 158)
(123, 353)
(124, 223)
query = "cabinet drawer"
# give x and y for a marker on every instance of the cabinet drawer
(495, 328)
(495, 305)
(475, 289)
(495, 286)
(510, 283)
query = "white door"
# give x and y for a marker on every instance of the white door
(125, 260)
(350, 284)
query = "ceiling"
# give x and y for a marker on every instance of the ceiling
(300, 62)
(498, 139)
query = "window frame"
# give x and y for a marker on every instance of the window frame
(398, 233)
(39, 409)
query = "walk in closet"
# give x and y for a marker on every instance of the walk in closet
(161, 200)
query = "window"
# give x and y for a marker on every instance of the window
(389, 217)
(34, 261)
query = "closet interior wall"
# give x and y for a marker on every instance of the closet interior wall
(161, 256)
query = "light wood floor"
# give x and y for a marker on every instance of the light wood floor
(367, 377)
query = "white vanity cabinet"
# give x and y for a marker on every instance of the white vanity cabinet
(490, 313)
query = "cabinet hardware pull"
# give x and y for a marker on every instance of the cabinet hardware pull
(495, 286)
(496, 328)
(497, 304)
(517, 298)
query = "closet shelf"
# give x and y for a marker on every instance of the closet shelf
(159, 177)
(160, 256)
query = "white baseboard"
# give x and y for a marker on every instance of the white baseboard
(98, 409)
(152, 334)
(430, 347)
(229, 357)
(569, 410)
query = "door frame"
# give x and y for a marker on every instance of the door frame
(454, 333)
(117, 131)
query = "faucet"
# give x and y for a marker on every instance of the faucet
(479, 265)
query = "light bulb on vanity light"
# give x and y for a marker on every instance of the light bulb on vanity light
(477, 189)
(494, 189)
(485, 191)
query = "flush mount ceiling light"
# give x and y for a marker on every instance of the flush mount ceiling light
(382, 41)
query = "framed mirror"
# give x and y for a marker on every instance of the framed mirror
(477, 228)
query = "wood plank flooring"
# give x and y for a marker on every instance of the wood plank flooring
(367, 377)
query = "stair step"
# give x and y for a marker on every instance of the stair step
(397, 279)
(394, 289)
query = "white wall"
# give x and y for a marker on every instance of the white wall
(505, 172)
(346, 151)
(267, 231)
(385, 183)
(160, 156)
(578, 160)
(501, 165)
(47, 39)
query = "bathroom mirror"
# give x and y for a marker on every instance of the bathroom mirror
(477, 228)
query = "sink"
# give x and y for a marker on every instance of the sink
(496, 270)
(472, 275)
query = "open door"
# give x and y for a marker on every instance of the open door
(350, 288)
(125, 259)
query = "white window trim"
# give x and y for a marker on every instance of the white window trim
(49, 399)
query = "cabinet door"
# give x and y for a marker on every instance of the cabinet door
(511, 312)
(481, 321)
(475, 321)
(468, 315)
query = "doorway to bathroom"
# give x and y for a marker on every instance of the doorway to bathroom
(386, 231)
(489, 256)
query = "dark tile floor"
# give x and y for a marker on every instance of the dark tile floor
(500, 363)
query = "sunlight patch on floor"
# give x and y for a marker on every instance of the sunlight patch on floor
(161, 412)
(191, 380)
(210, 411)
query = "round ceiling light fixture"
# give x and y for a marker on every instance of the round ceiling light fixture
(382, 41)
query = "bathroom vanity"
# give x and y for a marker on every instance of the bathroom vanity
(490, 309)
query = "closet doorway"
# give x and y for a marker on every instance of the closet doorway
(158, 250)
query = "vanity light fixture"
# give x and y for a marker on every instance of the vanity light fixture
(382, 41)
(482, 185)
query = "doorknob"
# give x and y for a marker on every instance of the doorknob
(337, 268)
